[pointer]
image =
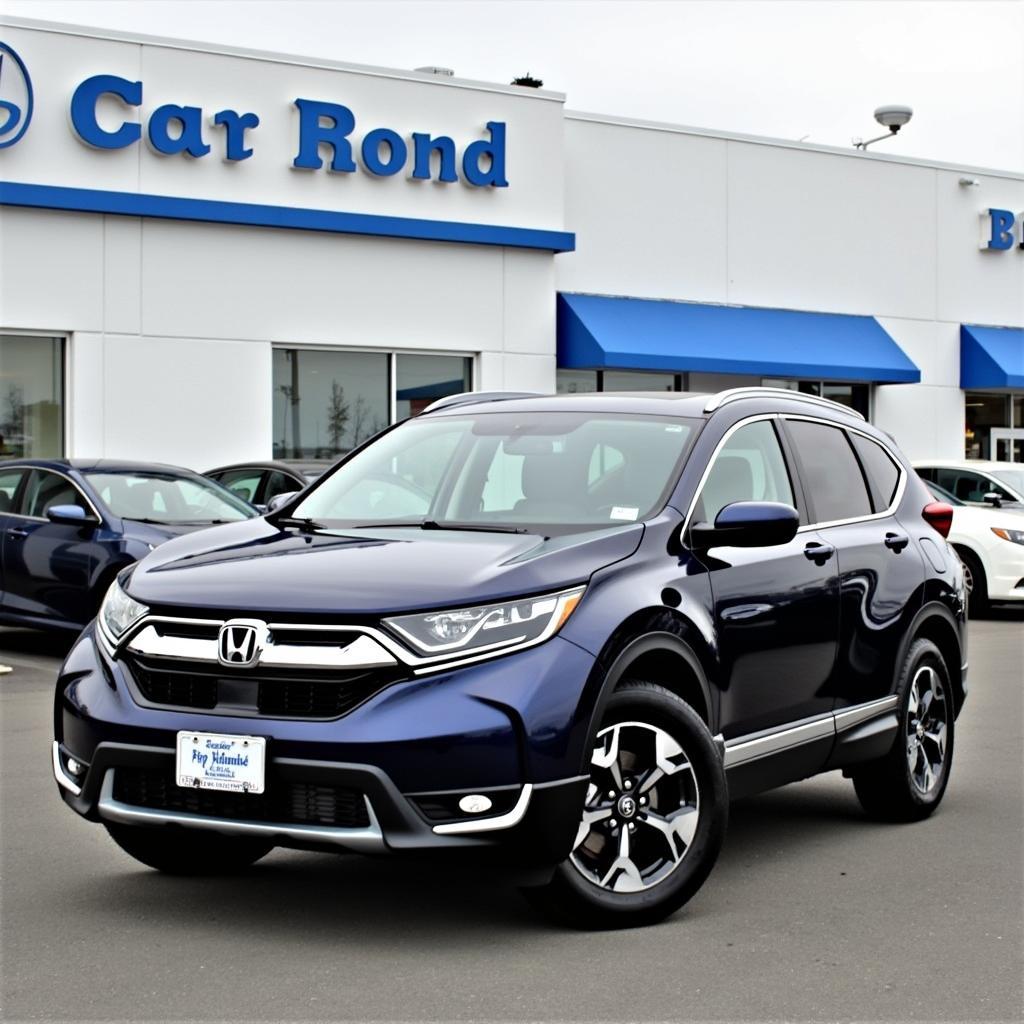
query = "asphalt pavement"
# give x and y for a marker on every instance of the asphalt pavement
(813, 912)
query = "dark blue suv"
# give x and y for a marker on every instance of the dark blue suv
(554, 634)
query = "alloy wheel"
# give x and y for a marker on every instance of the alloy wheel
(641, 811)
(927, 718)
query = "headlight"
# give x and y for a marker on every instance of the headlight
(119, 611)
(488, 626)
(1014, 536)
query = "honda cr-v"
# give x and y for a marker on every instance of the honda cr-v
(555, 634)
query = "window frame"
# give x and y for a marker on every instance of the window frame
(847, 430)
(788, 455)
(392, 355)
(20, 494)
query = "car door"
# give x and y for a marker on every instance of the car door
(50, 569)
(853, 487)
(10, 481)
(776, 608)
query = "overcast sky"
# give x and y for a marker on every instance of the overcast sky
(785, 69)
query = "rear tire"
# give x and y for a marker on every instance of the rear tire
(177, 851)
(978, 605)
(654, 820)
(909, 782)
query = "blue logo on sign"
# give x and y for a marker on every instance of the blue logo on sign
(15, 97)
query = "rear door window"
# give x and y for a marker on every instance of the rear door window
(832, 476)
(883, 474)
(243, 483)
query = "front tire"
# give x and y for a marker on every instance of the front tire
(909, 782)
(177, 851)
(654, 819)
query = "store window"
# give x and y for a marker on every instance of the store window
(573, 382)
(856, 396)
(31, 396)
(327, 402)
(994, 426)
(630, 380)
(421, 380)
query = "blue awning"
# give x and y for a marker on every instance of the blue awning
(600, 332)
(991, 357)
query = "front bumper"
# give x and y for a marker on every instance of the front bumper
(510, 729)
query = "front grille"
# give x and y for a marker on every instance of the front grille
(268, 692)
(283, 802)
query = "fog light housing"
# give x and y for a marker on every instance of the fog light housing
(76, 768)
(475, 803)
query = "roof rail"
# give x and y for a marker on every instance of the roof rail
(472, 397)
(735, 394)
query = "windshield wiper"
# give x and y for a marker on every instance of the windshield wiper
(150, 522)
(433, 524)
(301, 524)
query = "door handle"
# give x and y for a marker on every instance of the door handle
(819, 553)
(896, 541)
(17, 531)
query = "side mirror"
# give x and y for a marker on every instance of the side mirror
(993, 498)
(748, 524)
(279, 500)
(70, 515)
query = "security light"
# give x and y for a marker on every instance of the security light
(893, 116)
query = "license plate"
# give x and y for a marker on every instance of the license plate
(210, 760)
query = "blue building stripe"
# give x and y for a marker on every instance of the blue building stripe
(136, 204)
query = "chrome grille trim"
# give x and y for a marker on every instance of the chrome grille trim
(361, 652)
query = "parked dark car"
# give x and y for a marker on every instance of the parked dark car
(68, 527)
(259, 482)
(552, 633)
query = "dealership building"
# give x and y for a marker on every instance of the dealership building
(211, 254)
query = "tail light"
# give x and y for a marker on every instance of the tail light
(939, 516)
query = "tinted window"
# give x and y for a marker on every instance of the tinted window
(832, 475)
(882, 473)
(969, 486)
(280, 483)
(9, 481)
(242, 482)
(46, 490)
(749, 467)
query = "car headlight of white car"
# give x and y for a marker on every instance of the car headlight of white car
(487, 627)
(119, 612)
(1014, 536)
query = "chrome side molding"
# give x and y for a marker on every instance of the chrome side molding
(359, 840)
(754, 746)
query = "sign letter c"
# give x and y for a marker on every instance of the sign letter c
(83, 111)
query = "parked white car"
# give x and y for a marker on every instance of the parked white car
(990, 543)
(977, 482)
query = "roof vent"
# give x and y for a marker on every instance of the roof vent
(440, 72)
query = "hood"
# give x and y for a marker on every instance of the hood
(254, 567)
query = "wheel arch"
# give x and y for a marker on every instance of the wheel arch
(936, 623)
(960, 548)
(662, 646)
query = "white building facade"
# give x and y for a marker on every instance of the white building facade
(209, 255)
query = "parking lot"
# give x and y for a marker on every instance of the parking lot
(813, 913)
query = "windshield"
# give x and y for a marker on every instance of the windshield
(508, 470)
(168, 498)
(1013, 478)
